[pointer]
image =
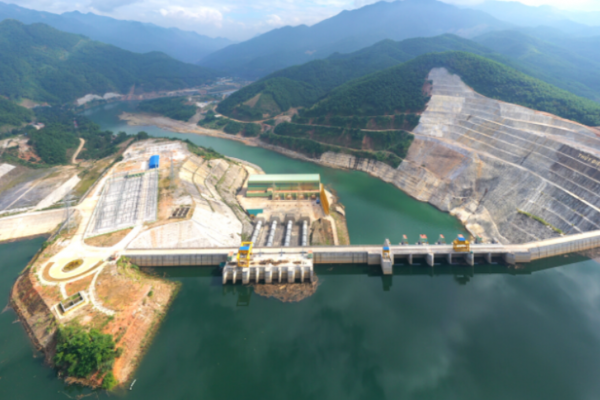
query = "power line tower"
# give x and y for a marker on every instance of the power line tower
(68, 210)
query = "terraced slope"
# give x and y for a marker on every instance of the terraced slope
(508, 172)
(522, 168)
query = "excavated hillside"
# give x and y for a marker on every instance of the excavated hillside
(508, 172)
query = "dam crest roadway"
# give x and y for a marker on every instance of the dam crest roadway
(283, 263)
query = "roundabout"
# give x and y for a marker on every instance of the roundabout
(66, 269)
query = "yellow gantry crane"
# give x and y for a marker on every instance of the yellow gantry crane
(461, 245)
(244, 254)
(386, 250)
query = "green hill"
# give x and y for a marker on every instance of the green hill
(43, 64)
(172, 107)
(399, 89)
(369, 117)
(12, 114)
(557, 64)
(302, 86)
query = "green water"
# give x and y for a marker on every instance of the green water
(534, 334)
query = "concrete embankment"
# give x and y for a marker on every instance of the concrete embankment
(28, 225)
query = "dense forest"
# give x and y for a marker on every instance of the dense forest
(405, 122)
(268, 98)
(12, 114)
(81, 353)
(400, 89)
(396, 142)
(43, 64)
(314, 149)
(60, 135)
(172, 107)
(558, 65)
(227, 125)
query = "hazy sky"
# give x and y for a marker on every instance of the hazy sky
(235, 19)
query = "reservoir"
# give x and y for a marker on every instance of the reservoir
(531, 333)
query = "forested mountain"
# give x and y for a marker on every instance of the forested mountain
(567, 66)
(129, 35)
(399, 89)
(369, 117)
(303, 85)
(347, 32)
(12, 114)
(41, 63)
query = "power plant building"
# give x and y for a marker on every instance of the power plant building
(285, 186)
(154, 162)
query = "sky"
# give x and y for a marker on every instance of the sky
(236, 19)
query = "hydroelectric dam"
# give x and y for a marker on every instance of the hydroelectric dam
(295, 264)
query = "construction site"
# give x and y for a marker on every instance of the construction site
(161, 196)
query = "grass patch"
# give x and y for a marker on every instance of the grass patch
(73, 265)
(542, 221)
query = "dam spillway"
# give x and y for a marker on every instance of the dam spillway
(360, 254)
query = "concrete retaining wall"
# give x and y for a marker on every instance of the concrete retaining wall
(27, 225)
(180, 260)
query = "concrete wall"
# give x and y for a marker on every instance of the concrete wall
(566, 245)
(34, 224)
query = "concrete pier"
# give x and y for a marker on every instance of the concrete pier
(268, 267)
(429, 258)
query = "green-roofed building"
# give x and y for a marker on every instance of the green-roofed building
(284, 186)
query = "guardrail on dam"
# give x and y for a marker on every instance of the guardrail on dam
(372, 254)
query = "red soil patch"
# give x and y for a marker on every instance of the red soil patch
(140, 301)
(78, 285)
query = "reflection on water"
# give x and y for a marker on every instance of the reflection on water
(462, 274)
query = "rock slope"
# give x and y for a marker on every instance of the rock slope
(506, 171)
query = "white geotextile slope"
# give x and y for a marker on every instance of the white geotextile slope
(211, 225)
(517, 159)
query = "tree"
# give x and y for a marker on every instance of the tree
(81, 353)
(142, 136)
(109, 381)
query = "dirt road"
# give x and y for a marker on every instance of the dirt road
(81, 143)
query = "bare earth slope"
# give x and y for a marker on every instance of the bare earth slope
(484, 160)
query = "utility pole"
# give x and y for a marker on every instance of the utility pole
(172, 174)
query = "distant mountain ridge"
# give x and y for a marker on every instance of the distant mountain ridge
(349, 31)
(43, 64)
(577, 23)
(129, 35)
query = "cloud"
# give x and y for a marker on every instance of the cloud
(275, 20)
(235, 19)
(110, 5)
(196, 14)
